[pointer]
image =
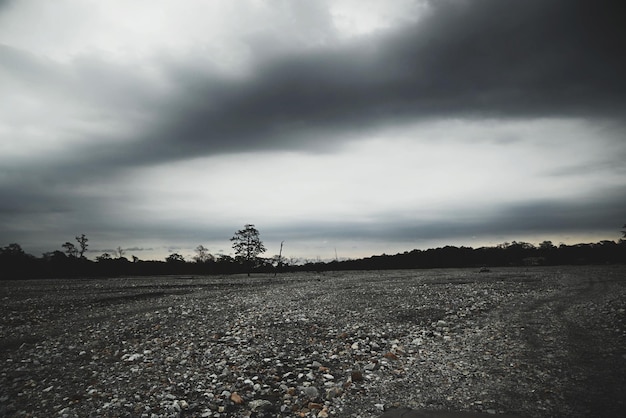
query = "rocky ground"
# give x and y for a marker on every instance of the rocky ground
(537, 342)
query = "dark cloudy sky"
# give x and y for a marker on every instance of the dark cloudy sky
(367, 127)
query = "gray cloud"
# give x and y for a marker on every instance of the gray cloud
(5, 4)
(475, 59)
(603, 211)
(490, 59)
(467, 59)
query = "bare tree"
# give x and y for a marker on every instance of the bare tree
(82, 243)
(202, 254)
(119, 252)
(248, 246)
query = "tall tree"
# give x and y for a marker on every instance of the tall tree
(248, 246)
(82, 243)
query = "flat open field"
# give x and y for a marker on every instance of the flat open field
(537, 342)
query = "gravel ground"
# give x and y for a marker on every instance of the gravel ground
(537, 342)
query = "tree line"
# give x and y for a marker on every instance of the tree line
(15, 263)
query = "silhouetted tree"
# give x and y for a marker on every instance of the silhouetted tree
(175, 258)
(119, 251)
(103, 257)
(546, 245)
(16, 263)
(82, 244)
(70, 249)
(202, 254)
(248, 246)
(12, 251)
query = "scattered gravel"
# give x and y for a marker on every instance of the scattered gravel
(538, 342)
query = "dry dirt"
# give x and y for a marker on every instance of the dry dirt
(537, 342)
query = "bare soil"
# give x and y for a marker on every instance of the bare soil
(536, 342)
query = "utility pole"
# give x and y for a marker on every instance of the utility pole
(280, 255)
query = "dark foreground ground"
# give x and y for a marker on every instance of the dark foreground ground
(537, 342)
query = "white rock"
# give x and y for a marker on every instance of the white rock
(131, 357)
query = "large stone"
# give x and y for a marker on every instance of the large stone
(260, 405)
(236, 398)
(311, 392)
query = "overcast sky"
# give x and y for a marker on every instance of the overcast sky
(356, 126)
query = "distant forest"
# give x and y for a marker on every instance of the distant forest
(17, 264)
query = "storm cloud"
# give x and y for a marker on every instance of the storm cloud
(127, 127)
